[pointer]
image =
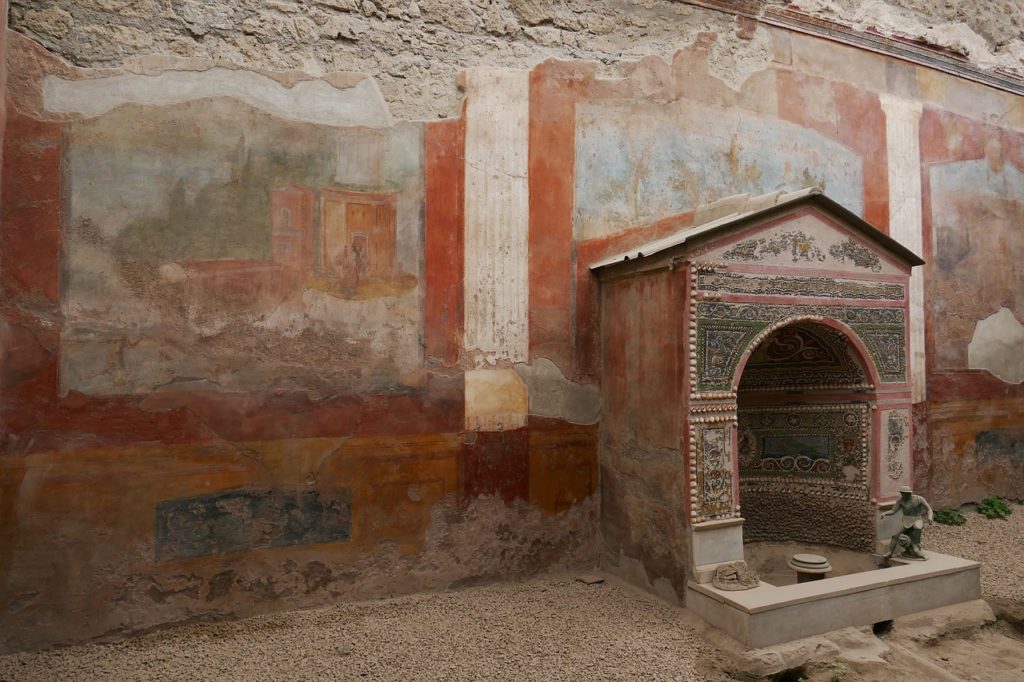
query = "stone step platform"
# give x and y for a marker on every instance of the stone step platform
(768, 615)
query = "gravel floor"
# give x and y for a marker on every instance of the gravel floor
(997, 543)
(550, 628)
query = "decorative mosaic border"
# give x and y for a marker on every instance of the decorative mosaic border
(821, 287)
(836, 479)
(897, 443)
(766, 312)
(711, 477)
(748, 487)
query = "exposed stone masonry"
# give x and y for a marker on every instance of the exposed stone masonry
(415, 48)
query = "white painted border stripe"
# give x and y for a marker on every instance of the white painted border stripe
(312, 101)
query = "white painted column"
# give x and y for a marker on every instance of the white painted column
(496, 246)
(902, 129)
(497, 215)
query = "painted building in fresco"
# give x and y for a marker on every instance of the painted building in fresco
(266, 343)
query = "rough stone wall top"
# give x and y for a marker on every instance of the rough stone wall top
(988, 34)
(416, 47)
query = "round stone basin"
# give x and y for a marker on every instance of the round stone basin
(771, 560)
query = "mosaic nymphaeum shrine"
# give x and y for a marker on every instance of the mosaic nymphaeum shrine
(725, 330)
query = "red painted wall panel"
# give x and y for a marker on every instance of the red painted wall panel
(444, 167)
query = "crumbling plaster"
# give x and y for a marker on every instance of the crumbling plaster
(416, 47)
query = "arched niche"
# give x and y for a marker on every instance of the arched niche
(805, 395)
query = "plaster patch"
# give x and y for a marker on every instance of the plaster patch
(496, 400)
(997, 346)
(310, 101)
(552, 395)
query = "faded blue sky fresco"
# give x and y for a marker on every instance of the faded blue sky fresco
(672, 158)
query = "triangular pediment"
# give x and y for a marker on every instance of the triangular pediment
(801, 230)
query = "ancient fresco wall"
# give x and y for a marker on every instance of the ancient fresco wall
(973, 206)
(234, 373)
(199, 337)
(924, 142)
(239, 251)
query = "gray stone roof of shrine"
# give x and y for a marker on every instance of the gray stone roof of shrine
(741, 208)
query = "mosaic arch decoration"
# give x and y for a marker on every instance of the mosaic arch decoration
(724, 330)
(803, 355)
